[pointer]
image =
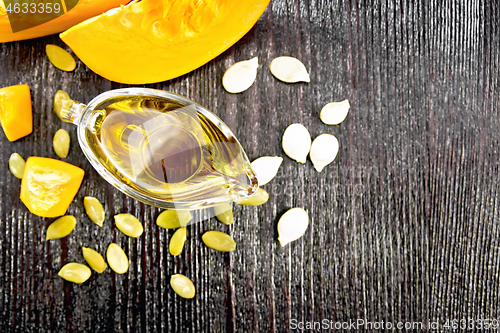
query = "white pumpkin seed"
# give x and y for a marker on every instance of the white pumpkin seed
(75, 272)
(240, 76)
(266, 168)
(117, 259)
(61, 227)
(61, 143)
(129, 225)
(182, 286)
(292, 225)
(16, 165)
(289, 69)
(334, 113)
(324, 149)
(94, 210)
(297, 142)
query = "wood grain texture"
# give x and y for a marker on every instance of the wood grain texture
(404, 224)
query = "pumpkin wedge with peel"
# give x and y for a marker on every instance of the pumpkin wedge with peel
(83, 10)
(157, 40)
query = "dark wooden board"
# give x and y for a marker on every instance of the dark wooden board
(404, 224)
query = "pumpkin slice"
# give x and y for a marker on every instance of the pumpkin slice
(15, 111)
(83, 10)
(49, 186)
(157, 40)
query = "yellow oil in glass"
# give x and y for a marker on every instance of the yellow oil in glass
(168, 150)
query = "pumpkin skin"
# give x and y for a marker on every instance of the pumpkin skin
(157, 40)
(83, 10)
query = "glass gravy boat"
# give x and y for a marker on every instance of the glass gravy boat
(162, 149)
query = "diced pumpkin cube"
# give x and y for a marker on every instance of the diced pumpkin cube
(49, 186)
(15, 111)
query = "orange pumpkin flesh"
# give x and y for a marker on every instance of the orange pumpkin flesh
(15, 111)
(83, 10)
(48, 186)
(157, 40)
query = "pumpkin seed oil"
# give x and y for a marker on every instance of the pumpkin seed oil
(168, 150)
